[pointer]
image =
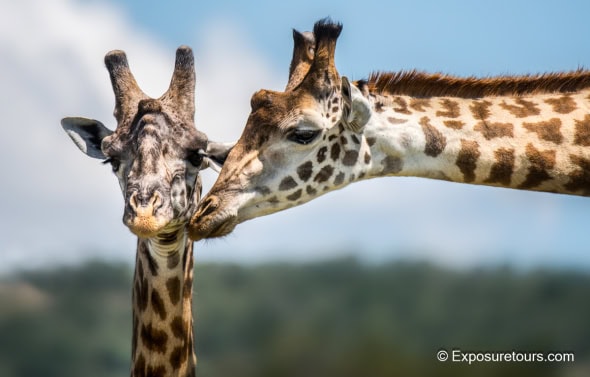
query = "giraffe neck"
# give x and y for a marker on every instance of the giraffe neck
(536, 143)
(162, 342)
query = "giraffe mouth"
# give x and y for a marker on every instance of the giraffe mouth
(209, 222)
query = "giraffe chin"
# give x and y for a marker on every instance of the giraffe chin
(200, 229)
(146, 226)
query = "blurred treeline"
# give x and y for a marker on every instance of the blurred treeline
(336, 318)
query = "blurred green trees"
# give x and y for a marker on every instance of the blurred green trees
(337, 318)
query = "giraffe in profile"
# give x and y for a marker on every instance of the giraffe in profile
(156, 153)
(324, 132)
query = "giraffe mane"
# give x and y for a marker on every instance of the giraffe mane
(421, 84)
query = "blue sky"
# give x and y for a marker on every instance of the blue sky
(58, 203)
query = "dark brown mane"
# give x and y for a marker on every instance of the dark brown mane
(420, 84)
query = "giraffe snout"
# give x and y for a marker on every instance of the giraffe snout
(142, 216)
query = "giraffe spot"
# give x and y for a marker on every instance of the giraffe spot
(371, 141)
(335, 100)
(263, 190)
(435, 140)
(494, 129)
(579, 178)
(339, 179)
(187, 287)
(522, 108)
(393, 120)
(379, 107)
(548, 130)
(155, 371)
(322, 154)
(310, 191)
(451, 109)
(540, 162)
(158, 305)
(178, 356)
(355, 139)
(343, 140)
(139, 365)
(139, 270)
(296, 195)
(333, 119)
(152, 265)
(361, 175)
(419, 104)
(502, 169)
(350, 157)
(352, 178)
(367, 157)
(391, 165)
(332, 137)
(467, 159)
(287, 183)
(173, 287)
(153, 339)
(562, 105)
(324, 174)
(304, 171)
(335, 151)
(335, 109)
(402, 106)
(480, 109)
(173, 259)
(582, 136)
(178, 327)
(454, 124)
(141, 294)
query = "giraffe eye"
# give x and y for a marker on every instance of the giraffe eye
(115, 164)
(303, 136)
(195, 158)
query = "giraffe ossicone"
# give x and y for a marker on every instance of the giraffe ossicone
(527, 132)
(156, 154)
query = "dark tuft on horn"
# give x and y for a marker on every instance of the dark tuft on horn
(326, 29)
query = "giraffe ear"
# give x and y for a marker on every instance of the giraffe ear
(216, 154)
(87, 134)
(356, 109)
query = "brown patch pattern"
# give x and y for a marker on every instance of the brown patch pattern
(173, 286)
(451, 109)
(502, 169)
(350, 158)
(540, 161)
(522, 108)
(467, 159)
(296, 195)
(178, 357)
(335, 152)
(178, 328)
(435, 140)
(393, 120)
(158, 304)
(339, 179)
(563, 104)
(548, 130)
(305, 170)
(419, 104)
(392, 165)
(480, 109)
(324, 174)
(582, 136)
(287, 183)
(402, 107)
(580, 178)
(322, 154)
(153, 339)
(493, 130)
(454, 124)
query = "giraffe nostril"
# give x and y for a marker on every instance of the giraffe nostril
(208, 206)
(133, 200)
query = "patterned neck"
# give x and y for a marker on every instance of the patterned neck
(162, 342)
(536, 142)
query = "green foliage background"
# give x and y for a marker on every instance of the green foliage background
(335, 318)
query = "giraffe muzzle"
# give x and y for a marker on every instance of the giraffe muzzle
(142, 217)
(209, 222)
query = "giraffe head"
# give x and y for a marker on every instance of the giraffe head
(296, 145)
(155, 152)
